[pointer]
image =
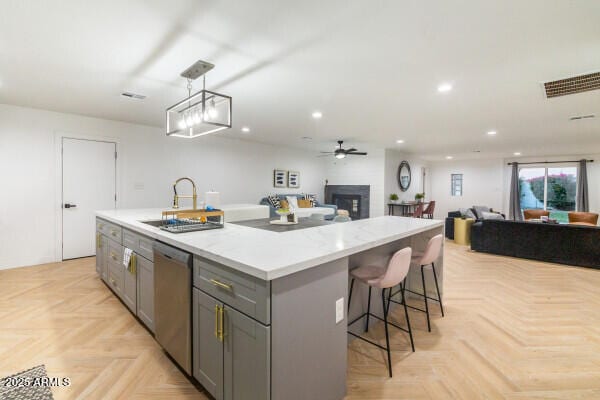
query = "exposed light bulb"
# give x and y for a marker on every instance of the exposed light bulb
(181, 124)
(196, 116)
(188, 119)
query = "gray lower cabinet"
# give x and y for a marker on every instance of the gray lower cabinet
(207, 348)
(145, 292)
(231, 351)
(102, 256)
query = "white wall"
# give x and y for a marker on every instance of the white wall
(482, 185)
(359, 170)
(240, 170)
(393, 158)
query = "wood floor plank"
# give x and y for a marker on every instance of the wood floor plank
(514, 329)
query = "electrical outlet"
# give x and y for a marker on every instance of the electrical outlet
(339, 310)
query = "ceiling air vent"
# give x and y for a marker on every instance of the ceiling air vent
(133, 95)
(576, 84)
(578, 117)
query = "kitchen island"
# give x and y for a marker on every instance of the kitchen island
(269, 308)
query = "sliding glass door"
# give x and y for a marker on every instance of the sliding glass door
(549, 188)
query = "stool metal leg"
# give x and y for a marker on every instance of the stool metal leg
(368, 310)
(425, 297)
(437, 288)
(387, 334)
(350, 294)
(412, 343)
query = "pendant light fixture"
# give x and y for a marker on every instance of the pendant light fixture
(201, 113)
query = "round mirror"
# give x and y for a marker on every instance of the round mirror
(404, 176)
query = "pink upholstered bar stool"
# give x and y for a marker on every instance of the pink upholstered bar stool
(384, 279)
(427, 259)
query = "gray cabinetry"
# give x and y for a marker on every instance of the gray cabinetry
(101, 256)
(207, 347)
(243, 292)
(145, 292)
(246, 357)
(231, 351)
(129, 287)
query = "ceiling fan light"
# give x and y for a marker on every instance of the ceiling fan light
(340, 155)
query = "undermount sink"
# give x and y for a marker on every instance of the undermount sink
(154, 222)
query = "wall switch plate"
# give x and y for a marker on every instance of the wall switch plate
(339, 310)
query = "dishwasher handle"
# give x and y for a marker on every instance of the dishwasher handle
(171, 253)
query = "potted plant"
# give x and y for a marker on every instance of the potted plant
(393, 198)
(419, 197)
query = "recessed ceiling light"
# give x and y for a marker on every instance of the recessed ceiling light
(449, 157)
(444, 87)
(492, 133)
(245, 129)
(399, 141)
(317, 114)
(516, 153)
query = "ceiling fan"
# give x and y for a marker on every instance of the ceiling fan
(342, 153)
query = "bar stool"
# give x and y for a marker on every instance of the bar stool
(384, 279)
(426, 259)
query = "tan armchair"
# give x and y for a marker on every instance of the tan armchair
(583, 218)
(535, 214)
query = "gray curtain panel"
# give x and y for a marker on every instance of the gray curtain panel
(514, 206)
(583, 203)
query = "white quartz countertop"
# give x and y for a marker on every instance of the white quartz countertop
(270, 255)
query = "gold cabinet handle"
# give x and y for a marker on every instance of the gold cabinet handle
(221, 284)
(217, 321)
(221, 318)
(113, 256)
(113, 232)
(133, 262)
(113, 281)
(100, 225)
(98, 240)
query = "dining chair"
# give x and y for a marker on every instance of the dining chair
(583, 218)
(428, 212)
(418, 213)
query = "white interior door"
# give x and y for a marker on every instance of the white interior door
(88, 184)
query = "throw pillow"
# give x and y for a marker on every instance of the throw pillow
(284, 204)
(303, 203)
(491, 215)
(293, 201)
(312, 199)
(467, 213)
(274, 200)
(479, 209)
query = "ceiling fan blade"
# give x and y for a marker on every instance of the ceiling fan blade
(327, 152)
(350, 150)
(356, 154)
(325, 155)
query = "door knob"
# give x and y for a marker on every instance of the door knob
(67, 205)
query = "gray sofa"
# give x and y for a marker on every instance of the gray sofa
(265, 201)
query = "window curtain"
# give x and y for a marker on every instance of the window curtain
(583, 203)
(514, 206)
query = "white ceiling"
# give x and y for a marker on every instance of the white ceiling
(371, 67)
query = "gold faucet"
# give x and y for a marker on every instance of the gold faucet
(176, 197)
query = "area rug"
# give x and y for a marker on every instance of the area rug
(26, 385)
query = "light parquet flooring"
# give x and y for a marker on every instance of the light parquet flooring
(514, 329)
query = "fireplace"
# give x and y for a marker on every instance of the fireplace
(353, 198)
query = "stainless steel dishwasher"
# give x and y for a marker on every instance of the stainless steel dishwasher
(172, 303)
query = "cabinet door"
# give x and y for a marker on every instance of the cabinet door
(99, 254)
(104, 266)
(247, 357)
(207, 348)
(130, 287)
(145, 292)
